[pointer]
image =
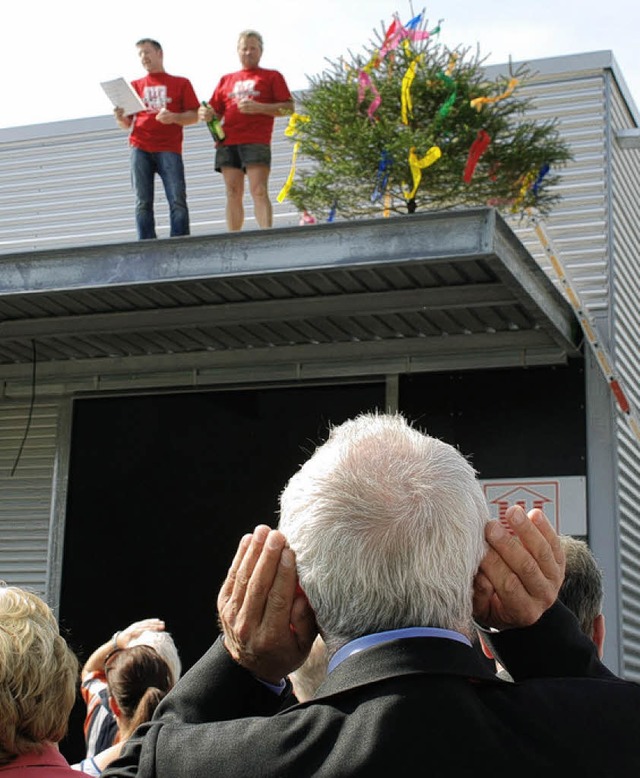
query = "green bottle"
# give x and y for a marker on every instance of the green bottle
(215, 128)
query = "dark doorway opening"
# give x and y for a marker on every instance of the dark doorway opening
(161, 489)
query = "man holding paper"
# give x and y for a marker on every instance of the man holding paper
(156, 139)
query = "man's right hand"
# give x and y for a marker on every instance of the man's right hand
(521, 573)
(268, 625)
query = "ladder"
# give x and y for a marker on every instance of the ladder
(588, 326)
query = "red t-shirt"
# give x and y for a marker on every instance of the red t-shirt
(160, 90)
(263, 86)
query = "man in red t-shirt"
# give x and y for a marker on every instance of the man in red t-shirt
(247, 101)
(156, 139)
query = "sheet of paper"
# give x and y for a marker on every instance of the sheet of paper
(122, 95)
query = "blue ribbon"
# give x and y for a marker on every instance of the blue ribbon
(413, 23)
(541, 174)
(382, 176)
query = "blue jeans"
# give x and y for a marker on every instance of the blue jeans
(168, 165)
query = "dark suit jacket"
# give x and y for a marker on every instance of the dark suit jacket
(417, 706)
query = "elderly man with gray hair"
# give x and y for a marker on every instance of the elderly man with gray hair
(381, 548)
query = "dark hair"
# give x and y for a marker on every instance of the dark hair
(153, 43)
(138, 678)
(582, 590)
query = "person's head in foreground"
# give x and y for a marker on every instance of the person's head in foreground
(38, 675)
(387, 525)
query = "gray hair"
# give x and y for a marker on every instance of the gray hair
(387, 525)
(582, 589)
(251, 34)
(164, 645)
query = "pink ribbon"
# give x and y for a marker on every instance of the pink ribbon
(364, 83)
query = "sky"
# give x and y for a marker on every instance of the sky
(53, 55)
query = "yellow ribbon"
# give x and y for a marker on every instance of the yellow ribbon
(418, 165)
(288, 183)
(452, 63)
(406, 110)
(526, 184)
(478, 102)
(295, 120)
(373, 63)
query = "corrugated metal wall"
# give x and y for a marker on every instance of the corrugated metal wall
(25, 506)
(578, 225)
(625, 220)
(68, 184)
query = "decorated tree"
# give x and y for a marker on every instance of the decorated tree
(411, 124)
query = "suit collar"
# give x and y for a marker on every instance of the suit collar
(406, 656)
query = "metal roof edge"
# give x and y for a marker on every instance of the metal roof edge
(445, 235)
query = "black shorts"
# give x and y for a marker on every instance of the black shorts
(243, 154)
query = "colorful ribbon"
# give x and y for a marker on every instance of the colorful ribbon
(382, 176)
(332, 212)
(478, 102)
(448, 103)
(418, 165)
(387, 205)
(526, 182)
(478, 147)
(294, 121)
(541, 174)
(307, 218)
(291, 130)
(364, 83)
(389, 37)
(406, 109)
(452, 63)
(397, 32)
(288, 183)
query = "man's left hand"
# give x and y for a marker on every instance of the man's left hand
(521, 573)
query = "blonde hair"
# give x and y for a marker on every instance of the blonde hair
(38, 674)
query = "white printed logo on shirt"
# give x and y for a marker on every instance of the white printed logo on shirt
(244, 89)
(155, 98)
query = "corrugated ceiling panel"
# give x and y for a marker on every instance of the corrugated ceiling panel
(26, 495)
(626, 292)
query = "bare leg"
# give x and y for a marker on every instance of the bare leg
(234, 184)
(258, 176)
